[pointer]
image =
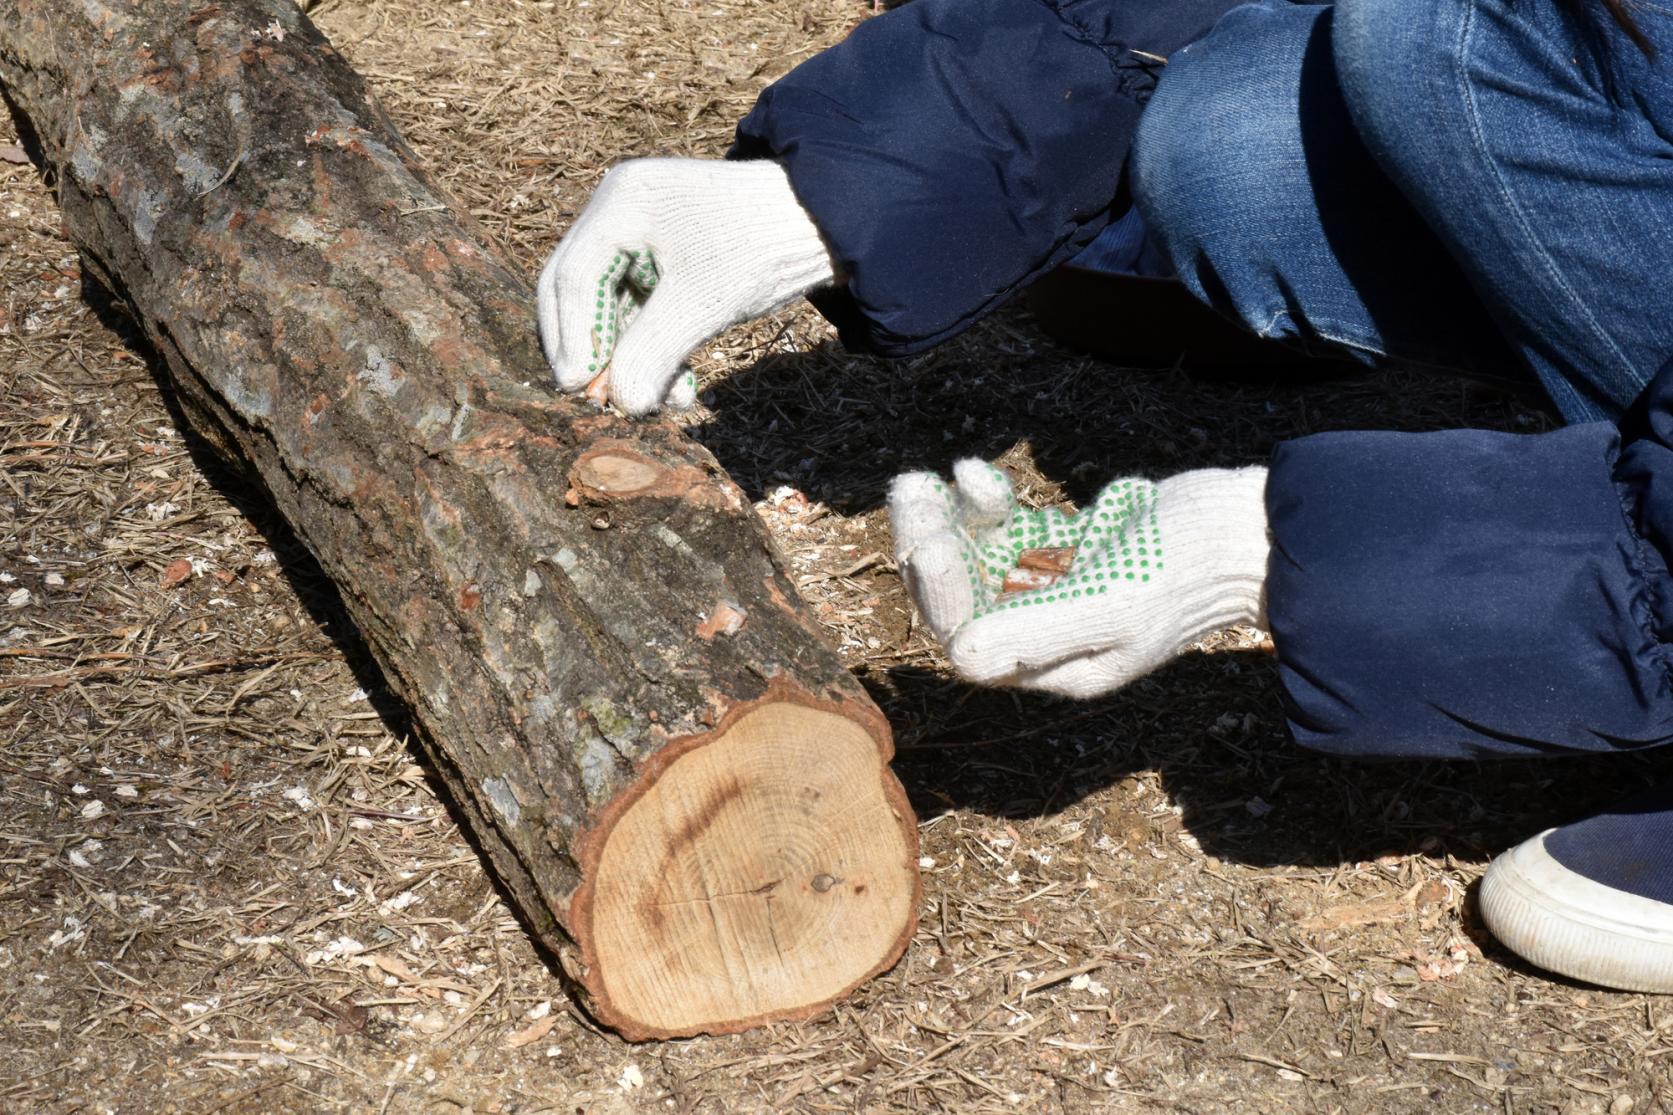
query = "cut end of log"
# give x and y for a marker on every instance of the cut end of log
(758, 876)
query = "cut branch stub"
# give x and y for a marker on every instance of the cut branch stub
(616, 469)
(682, 790)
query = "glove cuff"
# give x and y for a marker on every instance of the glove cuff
(787, 231)
(1213, 524)
(759, 215)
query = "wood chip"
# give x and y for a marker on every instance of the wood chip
(531, 1033)
(1038, 568)
(1047, 559)
(176, 572)
(726, 619)
(598, 388)
(1021, 580)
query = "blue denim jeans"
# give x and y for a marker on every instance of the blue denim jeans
(1479, 184)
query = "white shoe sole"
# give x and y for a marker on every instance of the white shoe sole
(1569, 924)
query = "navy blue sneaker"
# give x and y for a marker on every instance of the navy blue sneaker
(1592, 900)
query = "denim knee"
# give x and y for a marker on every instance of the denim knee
(1397, 62)
(1215, 162)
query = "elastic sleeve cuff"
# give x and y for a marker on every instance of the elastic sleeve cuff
(1463, 594)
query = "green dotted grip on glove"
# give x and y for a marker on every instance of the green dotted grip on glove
(1115, 540)
(623, 289)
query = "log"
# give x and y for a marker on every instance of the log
(686, 795)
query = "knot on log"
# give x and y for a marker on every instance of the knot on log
(614, 469)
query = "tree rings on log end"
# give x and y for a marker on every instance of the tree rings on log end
(760, 875)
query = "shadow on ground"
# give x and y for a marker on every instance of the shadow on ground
(841, 426)
(1212, 727)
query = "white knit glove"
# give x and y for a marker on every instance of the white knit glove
(1150, 568)
(666, 254)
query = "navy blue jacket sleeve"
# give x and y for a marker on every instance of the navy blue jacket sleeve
(950, 151)
(1466, 593)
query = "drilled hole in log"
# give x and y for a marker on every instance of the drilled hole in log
(761, 873)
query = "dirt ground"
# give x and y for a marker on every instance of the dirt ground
(226, 884)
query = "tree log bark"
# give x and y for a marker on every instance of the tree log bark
(685, 793)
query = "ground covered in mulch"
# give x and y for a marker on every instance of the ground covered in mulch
(228, 885)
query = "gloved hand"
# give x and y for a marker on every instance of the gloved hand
(666, 254)
(1154, 568)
